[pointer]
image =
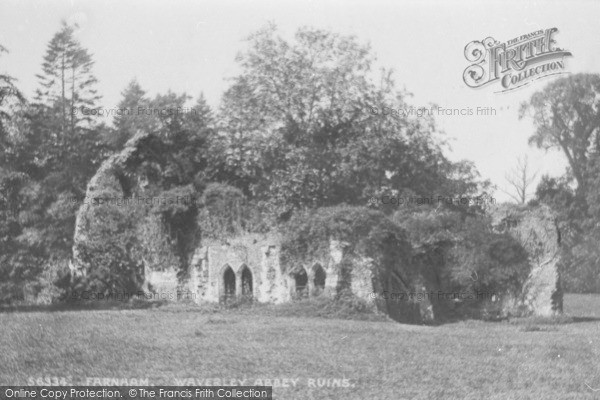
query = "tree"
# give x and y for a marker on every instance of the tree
(297, 130)
(8, 91)
(62, 116)
(184, 133)
(48, 156)
(127, 120)
(520, 179)
(19, 265)
(566, 114)
(67, 83)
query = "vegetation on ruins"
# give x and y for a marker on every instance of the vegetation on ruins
(293, 147)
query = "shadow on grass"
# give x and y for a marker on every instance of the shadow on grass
(318, 307)
(82, 306)
(585, 319)
(561, 319)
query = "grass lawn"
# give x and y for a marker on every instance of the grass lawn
(314, 357)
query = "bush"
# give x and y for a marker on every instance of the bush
(19, 275)
(177, 215)
(497, 261)
(362, 233)
(53, 282)
(110, 249)
(458, 253)
(225, 212)
(365, 232)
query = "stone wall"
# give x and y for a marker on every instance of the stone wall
(537, 231)
(117, 179)
(271, 282)
(256, 253)
(252, 262)
(162, 285)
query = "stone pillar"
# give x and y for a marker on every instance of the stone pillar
(273, 286)
(336, 254)
(310, 280)
(238, 282)
(535, 228)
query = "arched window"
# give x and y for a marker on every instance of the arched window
(246, 281)
(301, 279)
(228, 283)
(319, 281)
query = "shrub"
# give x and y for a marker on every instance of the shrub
(177, 215)
(109, 249)
(365, 232)
(362, 233)
(225, 212)
(459, 253)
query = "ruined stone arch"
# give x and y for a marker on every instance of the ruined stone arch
(319, 278)
(247, 281)
(228, 283)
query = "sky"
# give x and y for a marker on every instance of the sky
(190, 46)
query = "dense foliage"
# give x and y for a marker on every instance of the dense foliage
(566, 114)
(298, 130)
(361, 231)
(294, 146)
(460, 253)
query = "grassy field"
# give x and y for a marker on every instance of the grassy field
(315, 358)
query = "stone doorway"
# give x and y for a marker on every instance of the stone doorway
(228, 284)
(247, 287)
(301, 281)
(319, 279)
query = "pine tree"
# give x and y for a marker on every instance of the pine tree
(127, 120)
(8, 92)
(67, 82)
(68, 145)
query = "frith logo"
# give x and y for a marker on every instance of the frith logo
(516, 62)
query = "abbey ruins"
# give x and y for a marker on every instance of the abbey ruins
(250, 265)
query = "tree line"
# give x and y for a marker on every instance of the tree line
(292, 133)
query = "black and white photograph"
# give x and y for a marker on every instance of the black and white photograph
(299, 199)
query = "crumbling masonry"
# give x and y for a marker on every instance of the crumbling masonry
(249, 266)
